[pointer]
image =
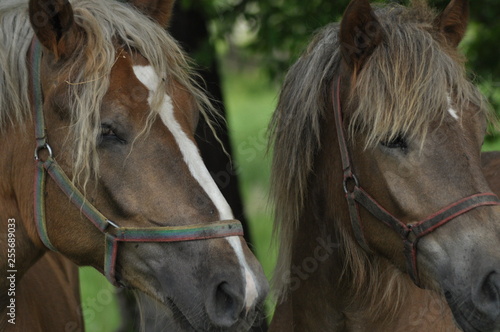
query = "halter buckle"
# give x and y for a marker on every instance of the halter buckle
(44, 146)
(348, 179)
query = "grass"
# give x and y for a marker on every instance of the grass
(492, 146)
(100, 309)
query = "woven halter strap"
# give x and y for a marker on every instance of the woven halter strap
(113, 233)
(410, 233)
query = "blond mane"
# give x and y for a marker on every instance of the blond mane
(107, 23)
(401, 90)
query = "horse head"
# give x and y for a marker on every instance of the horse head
(120, 109)
(417, 137)
(384, 134)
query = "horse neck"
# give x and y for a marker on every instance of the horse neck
(16, 199)
(326, 296)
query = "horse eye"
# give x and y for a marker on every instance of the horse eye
(107, 131)
(108, 134)
(398, 142)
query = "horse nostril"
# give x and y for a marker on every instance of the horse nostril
(223, 299)
(489, 289)
(488, 299)
(226, 306)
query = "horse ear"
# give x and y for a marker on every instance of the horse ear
(159, 10)
(52, 22)
(453, 21)
(360, 33)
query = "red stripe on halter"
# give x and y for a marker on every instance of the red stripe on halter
(453, 205)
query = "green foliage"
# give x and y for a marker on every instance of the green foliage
(98, 302)
(483, 52)
(284, 28)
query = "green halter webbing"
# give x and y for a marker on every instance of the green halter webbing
(115, 233)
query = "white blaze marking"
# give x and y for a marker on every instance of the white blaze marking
(191, 155)
(452, 112)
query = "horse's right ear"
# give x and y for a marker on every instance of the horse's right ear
(52, 21)
(453, 21)
(360, 33)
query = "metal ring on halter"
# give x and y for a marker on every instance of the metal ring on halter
(353, 178)
(45, 146)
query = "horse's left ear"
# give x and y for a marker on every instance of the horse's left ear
(360, 33)
(159, 10)
(453, 21)
(53, 23)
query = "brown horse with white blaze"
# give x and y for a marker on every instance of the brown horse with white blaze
(385, 219)
(104, 96)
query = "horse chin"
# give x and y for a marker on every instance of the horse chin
(180, 321)
(168, 312)
(201, 322)
(185, 323)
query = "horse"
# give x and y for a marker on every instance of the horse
(384, 218)
(98, 107)
(53, 280)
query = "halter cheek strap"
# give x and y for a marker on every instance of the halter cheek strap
(410, 233)
(114, 234)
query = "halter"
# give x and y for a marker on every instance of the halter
(410, 233)
(113, 233)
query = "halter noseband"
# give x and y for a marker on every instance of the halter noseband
(410, 233)
(113, 233)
